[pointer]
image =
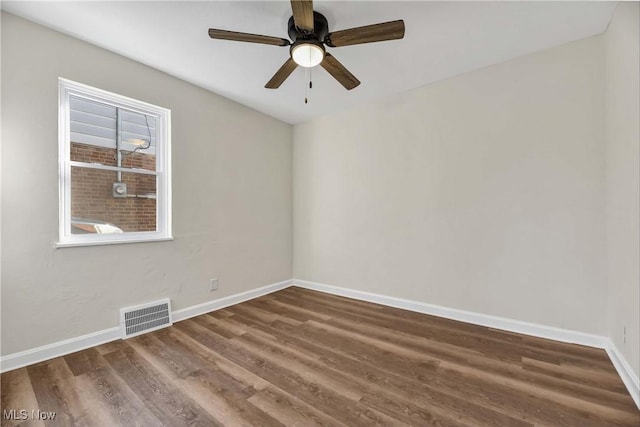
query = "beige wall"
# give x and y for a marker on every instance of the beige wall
(622, 47)
(231, 196)
(484, 192)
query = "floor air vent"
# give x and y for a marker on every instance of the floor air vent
(145, 318)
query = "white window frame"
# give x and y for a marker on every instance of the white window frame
(67, 88)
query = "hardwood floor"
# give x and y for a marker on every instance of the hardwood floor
(298, 357)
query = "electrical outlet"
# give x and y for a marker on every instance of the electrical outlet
(213, 285)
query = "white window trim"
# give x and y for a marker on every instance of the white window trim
(67, 88)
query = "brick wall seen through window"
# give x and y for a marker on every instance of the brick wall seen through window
(92, 189)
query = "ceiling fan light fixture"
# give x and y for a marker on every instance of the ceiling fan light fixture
(309, 31)
(307, 53)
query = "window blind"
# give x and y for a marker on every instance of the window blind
(94, 123)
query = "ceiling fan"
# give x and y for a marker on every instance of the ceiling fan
(309, 31)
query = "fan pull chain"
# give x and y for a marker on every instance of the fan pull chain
(307, 72)
(307, 75)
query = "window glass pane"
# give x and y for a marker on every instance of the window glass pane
(137, 126)
(93, 154)
(137, 140)
(93, 131)
(103, 202)
(92, 122)
(131, 156)
(138, 158)
(98, 131)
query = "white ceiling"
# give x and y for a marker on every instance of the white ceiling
(442, 39)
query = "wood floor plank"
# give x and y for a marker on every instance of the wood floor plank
(167, 359)
(288, 311)
(580, 375)
(305, 294)
(111, 347)
(513, 376)
(228, 331)
(373, 380)
(85, 361)
(457, 349)
(307, 368)
(214, 390)
(293, 353)
(456, 354)
(594, 354)
(265, 331)
(480, 342)
(163, 399)
(502, 399)
(17, 395)
(298, 357)
(209, 358)
(209, 374)
(54, 387)
(432, 408)
(251, 309)
(290, 410)
(323, 399)
(570, 402)
(111, 401)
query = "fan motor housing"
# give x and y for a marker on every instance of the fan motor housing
(320, 29)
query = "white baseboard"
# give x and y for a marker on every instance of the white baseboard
(71, 345)
(629, 378)
(627, 375)
(526, 328)
(57, 349)
(217, 304)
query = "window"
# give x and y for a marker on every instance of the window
(114, 162)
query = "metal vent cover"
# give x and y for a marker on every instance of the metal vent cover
(145, 318)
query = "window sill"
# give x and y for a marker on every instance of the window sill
(59, 245)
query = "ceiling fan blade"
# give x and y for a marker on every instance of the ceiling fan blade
(246, 37)
(339, 72)
(303, 14)
(282, 74)
(368, 34)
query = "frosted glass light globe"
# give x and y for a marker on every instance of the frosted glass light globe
(307, 55)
